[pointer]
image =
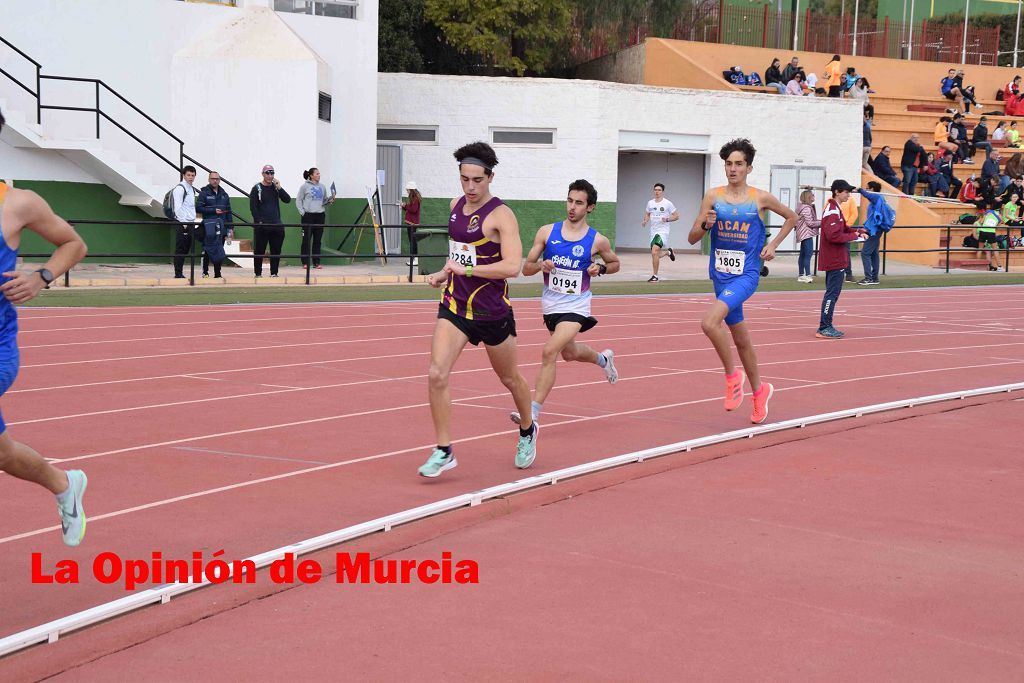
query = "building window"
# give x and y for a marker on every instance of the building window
(324, 107)
(527, 137)
(424, 135)
(343, 9)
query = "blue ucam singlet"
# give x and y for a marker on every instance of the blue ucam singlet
(737, 238)
(567, 288)
(736, 243)
(8, 316)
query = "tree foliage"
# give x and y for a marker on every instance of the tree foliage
(514, 36)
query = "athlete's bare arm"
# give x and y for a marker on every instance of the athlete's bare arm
(533, 265)
(24, 209)
(603, 247)
(501, 223)
(705, 216)
(674, 216)
(646, 218)
(766, 200)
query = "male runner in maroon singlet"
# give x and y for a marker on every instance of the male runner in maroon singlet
(484, 249)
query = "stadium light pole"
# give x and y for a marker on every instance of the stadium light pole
(1016, 37)
(796, 22)
(910, 33)
(856, 15)
(963, 52)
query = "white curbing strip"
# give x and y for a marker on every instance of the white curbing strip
(51, 631)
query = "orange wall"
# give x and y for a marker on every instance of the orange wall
(887, 76)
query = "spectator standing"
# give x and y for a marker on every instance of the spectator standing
(980, 136)
(987, 238)
(882, 166)
(265, 203)
(866, 149)
(773, 76)
(311, 201)
(412, 206)
(183, 197)
(834, 74)
(881, 218)
(807, 225)
(214, 207)
(834, 255)
(913, 156)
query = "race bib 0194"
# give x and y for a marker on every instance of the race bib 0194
(730, 261)
(462, 253)
(566, 281)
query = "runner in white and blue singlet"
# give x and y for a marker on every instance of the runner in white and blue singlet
(565, 251)
(21, 210)
(731, 216)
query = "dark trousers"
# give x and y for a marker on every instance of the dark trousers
(806, 252)
(310, 231)
(262, 235)
(206, 261)
(849, 261)
(869, 257)
(833, 288)
(909, 178)
(414, 247)
(182, 246)
(835, 91)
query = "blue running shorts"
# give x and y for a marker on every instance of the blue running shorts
(734, 293)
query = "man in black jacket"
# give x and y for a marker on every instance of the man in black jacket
(214, 206)
(980, 137)
(913, 156)
(882, 167)
(265, 203)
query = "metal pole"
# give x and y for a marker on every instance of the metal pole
(949, 229)
(885, 249)
(903, 28)
(796, 22)
(963, 52)
(309, 252)
(910, 33)
(97, 110)
(856, 16)
(1006, 268)
(1016, 36)
(192, 254)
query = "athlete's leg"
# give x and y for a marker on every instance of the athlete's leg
(748, 355)
(560, 339)
(713, 324)
(22, 462)
(445, 348)
(504, 360)
(655, 259)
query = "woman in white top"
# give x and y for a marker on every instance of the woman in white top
(1000, 132)
(860, 90)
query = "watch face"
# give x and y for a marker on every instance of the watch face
(46, 275)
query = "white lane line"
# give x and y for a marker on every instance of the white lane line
(422, 447)
(246, 455)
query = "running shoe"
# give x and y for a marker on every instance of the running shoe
(874, 282)
(653, 278)
(438, 462)
(734, 390)
(829, 333)
(671, 254)
(609, 369)
(526, 449)
(761, 398)
(72, 516)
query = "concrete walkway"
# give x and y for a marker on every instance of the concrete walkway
(636, 267)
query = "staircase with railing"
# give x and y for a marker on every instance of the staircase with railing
(122, 146)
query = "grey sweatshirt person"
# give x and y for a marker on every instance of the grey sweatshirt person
(311, 198)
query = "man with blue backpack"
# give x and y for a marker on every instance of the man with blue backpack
(881, 219)
(214, 207)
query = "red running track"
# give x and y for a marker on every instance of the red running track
(245, 428)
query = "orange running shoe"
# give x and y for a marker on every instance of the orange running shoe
(761, 398)
(734, 390)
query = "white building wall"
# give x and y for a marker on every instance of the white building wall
(588, 116)
(164, 56)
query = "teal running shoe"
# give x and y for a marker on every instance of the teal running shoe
(72, 517)
(438, 462)
(526, 449)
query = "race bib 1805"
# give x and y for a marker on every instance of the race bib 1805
(566, 281)
(462, 253)
(730, 261)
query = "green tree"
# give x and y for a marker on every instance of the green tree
(512, 36)
(398, 22)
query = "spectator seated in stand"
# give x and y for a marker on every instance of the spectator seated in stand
(952, 88)
(980, 137)
(958, 136)
(971, 193)
(1013, 135)
(941, 136)
(796, 86)
(1012, 97)
(938, 186)
(1000, 132)
(944, 163)
(860, 90)
(773, 76)
(882, 167)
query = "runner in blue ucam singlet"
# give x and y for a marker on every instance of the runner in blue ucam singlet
(736, 243)
(20, 210)
(731, 218)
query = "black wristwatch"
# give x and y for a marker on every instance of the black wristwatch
(601, 269)
(46, 276)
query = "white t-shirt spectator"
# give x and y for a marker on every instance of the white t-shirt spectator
(659, 211)
(184, 198)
